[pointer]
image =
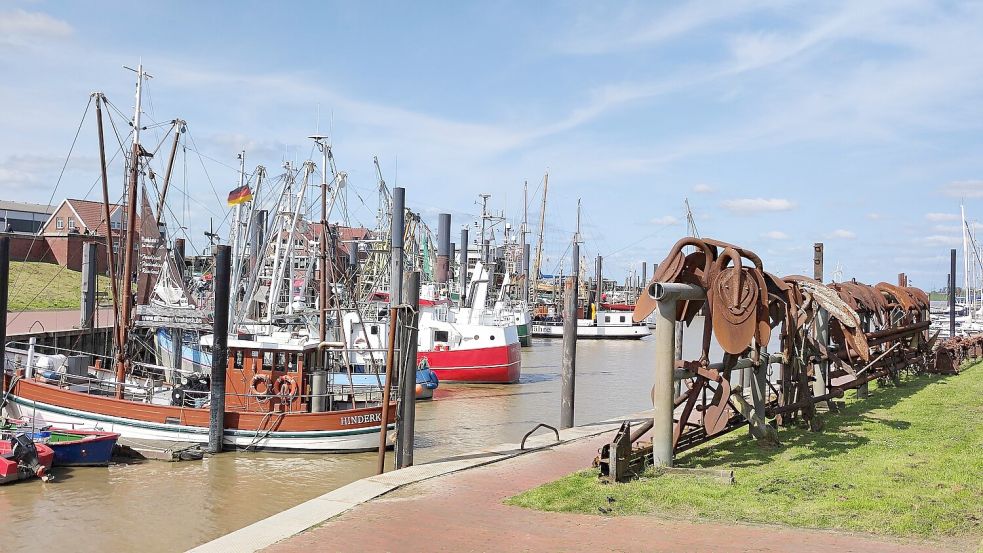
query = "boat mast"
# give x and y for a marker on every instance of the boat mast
(107, 213)
(322, 308)
(542, 225)
(966, 292)
(178, 129)
(122, 360)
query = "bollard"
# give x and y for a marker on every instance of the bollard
(443, 246)
(568, 385)
(463, 266)
(407, 424)
(952, 293)
(220, 352)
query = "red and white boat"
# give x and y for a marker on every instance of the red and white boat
(21, 458)
(455, 352)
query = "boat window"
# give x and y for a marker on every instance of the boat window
(440, 336)
(374, 330)
(292, 359)
(281, 361)
(267, 360)
(237, 359)
(622, 318)
(607, 318)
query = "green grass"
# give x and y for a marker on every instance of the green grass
(908, 462)
(36, 286)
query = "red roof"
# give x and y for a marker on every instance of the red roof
(91, 215)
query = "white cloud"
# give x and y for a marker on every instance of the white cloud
(875, 216)
(942, 240)
(703, 188)
(964, 189)
(757, 205)
(665, 220)
(775, 235)
(19, 27)
(843, 233)
(938, 217)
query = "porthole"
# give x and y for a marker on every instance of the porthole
(491, 338)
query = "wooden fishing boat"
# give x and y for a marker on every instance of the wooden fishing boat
(270, 404)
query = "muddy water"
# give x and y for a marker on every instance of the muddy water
(156, 506)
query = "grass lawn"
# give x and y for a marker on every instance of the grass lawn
(36, 286)
(908, 461)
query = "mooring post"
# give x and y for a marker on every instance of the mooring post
(396, 249)
(443, 246)
(568, 385)
(462, 266)
(4, 296)
(89, 262)
(220, 352)
(407, 423)
(666, 296)
(952, 293)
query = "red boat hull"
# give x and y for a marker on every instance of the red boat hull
(617, 306)
(500, 365)
(9, 472)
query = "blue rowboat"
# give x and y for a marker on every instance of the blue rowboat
(81, 448)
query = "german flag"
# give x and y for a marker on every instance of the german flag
(240, 195)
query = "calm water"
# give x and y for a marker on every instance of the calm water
(157, 506)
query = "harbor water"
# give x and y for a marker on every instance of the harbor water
(158, 506)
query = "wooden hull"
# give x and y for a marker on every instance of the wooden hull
(337, 431)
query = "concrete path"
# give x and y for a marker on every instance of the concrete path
(53, 320)
(463, 511)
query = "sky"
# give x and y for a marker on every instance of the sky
(855, 124)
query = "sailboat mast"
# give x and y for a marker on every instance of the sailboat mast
(322, 302)
(542, 226)
(122, 361)
(966, 288)
(107, 213)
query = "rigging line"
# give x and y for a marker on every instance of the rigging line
(112, 123)
(652, 235)
(58, 182)
(210, 158)
(203, 168)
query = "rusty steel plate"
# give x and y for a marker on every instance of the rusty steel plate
(733, 297)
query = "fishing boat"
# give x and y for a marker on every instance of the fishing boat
(278, 391)
(607, 325)
(21, 458)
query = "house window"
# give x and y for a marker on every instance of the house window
(114, 225)
(59, 223)
(71, 223)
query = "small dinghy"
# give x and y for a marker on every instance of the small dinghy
(81, 448)
(21, 458)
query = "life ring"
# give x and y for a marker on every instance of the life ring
(264, 395)
(286, 387)
(361, 343)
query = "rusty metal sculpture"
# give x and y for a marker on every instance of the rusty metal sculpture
(830, 339)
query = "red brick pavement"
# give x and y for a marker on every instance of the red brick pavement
(463, 512)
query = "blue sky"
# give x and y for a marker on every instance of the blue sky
(852, 123)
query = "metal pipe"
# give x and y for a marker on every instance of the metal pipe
(674, 291)
(568, 385)
(220, 352)
(319, 387)
(179, 256)
(396, 250)
(407, 427)
(663, 392)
